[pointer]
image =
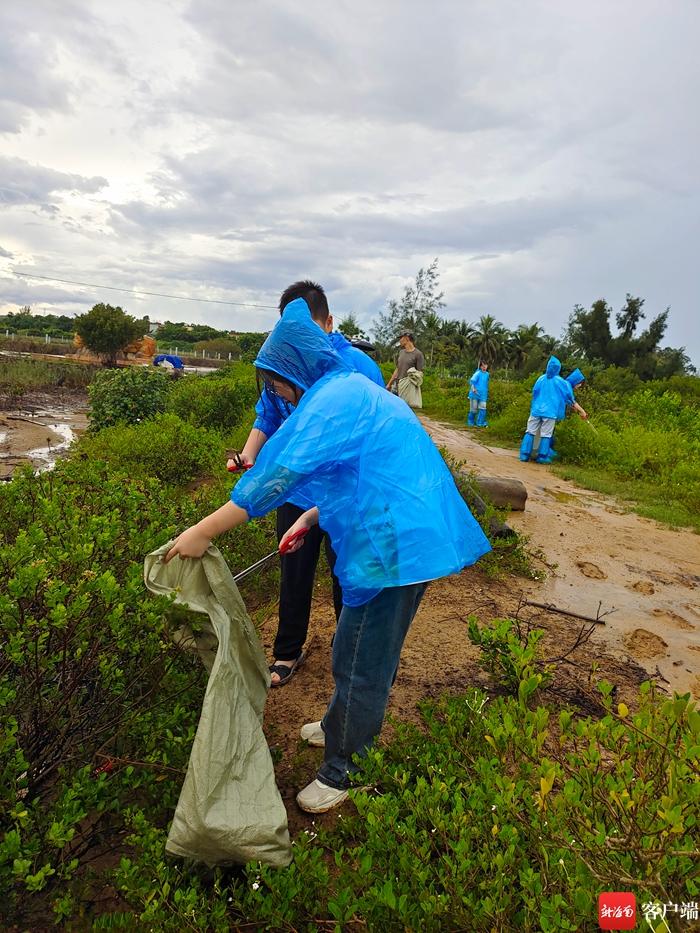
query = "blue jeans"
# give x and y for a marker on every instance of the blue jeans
(366, 651)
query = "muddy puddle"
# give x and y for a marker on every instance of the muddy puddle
(38, 434)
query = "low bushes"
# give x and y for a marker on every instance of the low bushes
(221, 401)
(85, 669)
(163, 447)
(133, 394)
(97, 708)
(499, 813)
(126, 396)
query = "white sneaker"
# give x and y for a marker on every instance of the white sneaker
(313, 733)
(318, 797)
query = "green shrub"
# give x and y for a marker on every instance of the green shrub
(126, 396)
(84, 667)
(221, 400)
(497, 814)
(97, 708)
(578, 441)
(164, 447)
(616, 381)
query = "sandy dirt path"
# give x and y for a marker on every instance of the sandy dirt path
(596, 552)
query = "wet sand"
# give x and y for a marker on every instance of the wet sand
(599, 555)
(39, 434)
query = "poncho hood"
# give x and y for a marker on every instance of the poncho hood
(553, 367)
(575, 378)
(298, 349)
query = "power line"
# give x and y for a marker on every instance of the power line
(132, 291)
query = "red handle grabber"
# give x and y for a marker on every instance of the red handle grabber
(238, 465)
(288, 542)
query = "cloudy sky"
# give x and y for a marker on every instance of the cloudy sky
(546, 152)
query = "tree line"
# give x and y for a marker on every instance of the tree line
(449, 344)
(588, 338)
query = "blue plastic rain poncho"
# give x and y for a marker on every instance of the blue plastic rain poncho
(550, 391)
(270, 413)
(567, 397)
(384, 493)
(479, 385)
(575, 378)
(356, 359)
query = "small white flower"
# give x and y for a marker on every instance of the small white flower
(255, 885)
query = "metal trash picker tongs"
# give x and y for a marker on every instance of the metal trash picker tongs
(282, 549)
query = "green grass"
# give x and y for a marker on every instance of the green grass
(19, 375)
(647, 499)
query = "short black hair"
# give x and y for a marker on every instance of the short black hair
(312, 293)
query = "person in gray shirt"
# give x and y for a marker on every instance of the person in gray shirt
(409, 371)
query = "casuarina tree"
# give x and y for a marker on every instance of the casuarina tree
(411, 311)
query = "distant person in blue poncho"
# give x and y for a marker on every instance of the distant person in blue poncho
(478, 396)
(575, 380)
(549, 394)
(298, 570)
(392, 530)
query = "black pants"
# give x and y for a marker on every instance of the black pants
(297, 585)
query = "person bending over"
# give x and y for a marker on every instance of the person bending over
(298, 570)
(548, 394)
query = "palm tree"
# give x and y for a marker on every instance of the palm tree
(522, 341)
(430, 331)
(489, 339)
(460, 333)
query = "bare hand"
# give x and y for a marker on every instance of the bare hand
(288, 544)
(191, 543)
(303, 523)
(239, 463)
(583, 415)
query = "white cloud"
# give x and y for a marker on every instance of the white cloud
(545, 152)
